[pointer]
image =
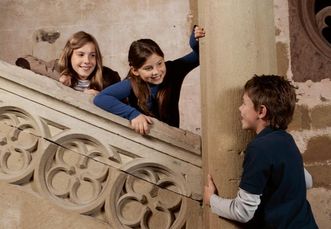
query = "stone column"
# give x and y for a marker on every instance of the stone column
(240, 42)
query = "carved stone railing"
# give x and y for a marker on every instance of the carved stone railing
(55, 142)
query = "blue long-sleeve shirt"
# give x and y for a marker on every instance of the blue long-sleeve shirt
(111, 98)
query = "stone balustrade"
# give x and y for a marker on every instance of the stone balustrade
(56, 143)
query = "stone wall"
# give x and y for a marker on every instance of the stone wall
(41, 28)
(25, 210)
(304, 57)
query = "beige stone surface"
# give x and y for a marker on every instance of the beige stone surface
(318, 149)
(56, 143)
(320, 201)
(317, 159)
(301, 119)
(20, 209)
(321, 176)
(282, 58)
(65, 100)
(320, 116)
(242, 44)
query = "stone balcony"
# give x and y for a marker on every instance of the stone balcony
(57, 144)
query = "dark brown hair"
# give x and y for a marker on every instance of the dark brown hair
(277, 94)
(139, 52)
(76, 41)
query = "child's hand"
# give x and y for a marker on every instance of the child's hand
(65, 79)
(91, 92)
(210, 189)
(199, 32)
(141, 124)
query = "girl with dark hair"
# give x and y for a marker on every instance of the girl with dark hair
(152, 87)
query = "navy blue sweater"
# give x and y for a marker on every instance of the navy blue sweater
(273, 168)
(111, 98)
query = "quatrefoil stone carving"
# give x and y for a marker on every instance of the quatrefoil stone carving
(75, 174)
(148, 196)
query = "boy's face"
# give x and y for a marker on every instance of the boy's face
(249, 116)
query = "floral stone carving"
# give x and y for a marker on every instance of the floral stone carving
(148, 195)
(74, 173)
(19, 145)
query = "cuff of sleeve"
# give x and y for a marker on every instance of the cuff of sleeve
(213, 199)
(194, 43)
(220, 206)
(213, 203)
(134, 114)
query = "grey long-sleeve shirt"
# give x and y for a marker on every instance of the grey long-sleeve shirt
(243, 207)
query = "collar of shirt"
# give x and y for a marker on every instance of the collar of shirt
(265, 131)
(82, 85)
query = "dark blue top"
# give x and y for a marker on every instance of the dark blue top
(273, 168)
(111, 98)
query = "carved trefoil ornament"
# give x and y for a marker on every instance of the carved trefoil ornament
(316, 19)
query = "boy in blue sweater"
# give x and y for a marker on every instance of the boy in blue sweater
(272, 191)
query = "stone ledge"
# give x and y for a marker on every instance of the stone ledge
(55, 142)
(57, 96)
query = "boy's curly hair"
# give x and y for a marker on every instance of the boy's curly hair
(277, 94)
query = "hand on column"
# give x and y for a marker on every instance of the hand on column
(210, 189)
(199, 32)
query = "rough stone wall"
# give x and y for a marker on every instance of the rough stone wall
(302, 60)
(41, 28)
(20, 209)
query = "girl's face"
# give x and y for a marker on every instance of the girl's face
(249, 116)
(153, 70)
(83, 60)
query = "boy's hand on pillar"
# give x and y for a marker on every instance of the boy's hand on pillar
(210, 189)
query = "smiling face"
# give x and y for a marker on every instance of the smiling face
(83, 60)
(252, 119)
(249, 116)
(153, 70)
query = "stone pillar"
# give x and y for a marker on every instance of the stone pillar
(240, 42)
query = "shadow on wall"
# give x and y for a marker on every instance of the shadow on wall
(50, 36)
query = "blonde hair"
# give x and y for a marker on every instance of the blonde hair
(76, 41)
